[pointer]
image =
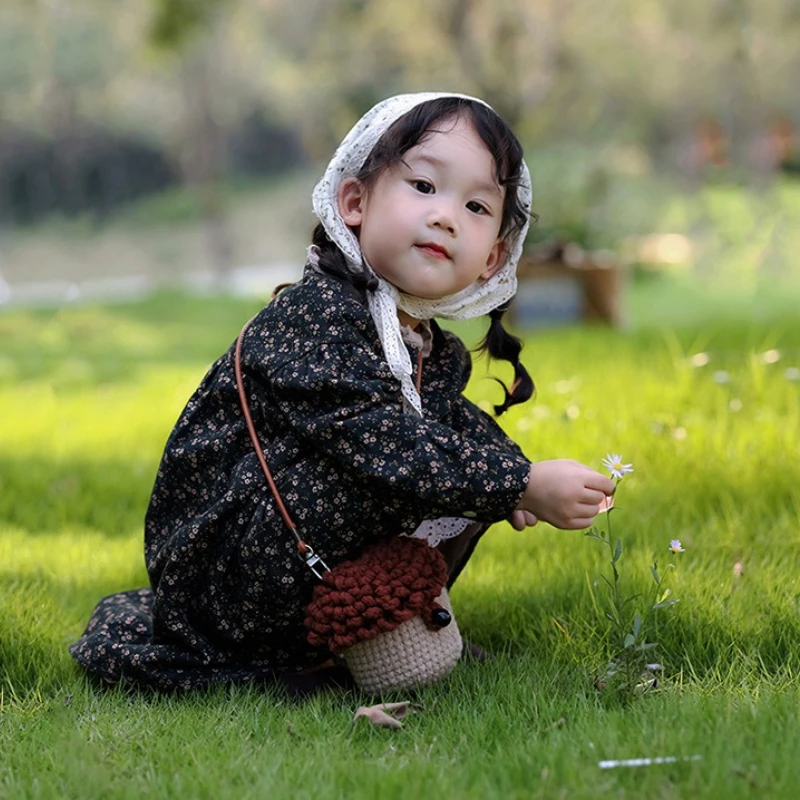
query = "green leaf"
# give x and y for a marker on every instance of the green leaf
(630, 640)
(647, 645)
(655, 574)
(637, 625)
(666, 593)
(591, 535)
(665, 603)
(617, 551)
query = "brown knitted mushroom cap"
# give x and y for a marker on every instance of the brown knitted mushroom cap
(394, 580)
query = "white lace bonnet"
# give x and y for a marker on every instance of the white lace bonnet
(478, 299)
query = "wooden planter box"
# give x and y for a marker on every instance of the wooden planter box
(588, 288)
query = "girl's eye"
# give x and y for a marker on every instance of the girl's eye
(425, 187)
(476, 207)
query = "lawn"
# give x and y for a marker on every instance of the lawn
(700, 393)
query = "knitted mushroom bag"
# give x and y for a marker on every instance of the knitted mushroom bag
(388, 615)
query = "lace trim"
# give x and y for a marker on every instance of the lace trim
(421, 338)
(435, 531)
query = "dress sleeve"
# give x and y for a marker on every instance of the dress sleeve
(466, 416)
(341, 400)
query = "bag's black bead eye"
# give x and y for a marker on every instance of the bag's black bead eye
(440, 617)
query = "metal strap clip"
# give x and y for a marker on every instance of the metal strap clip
(312, 560)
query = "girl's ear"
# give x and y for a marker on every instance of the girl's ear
(495, 260)
(351, 201)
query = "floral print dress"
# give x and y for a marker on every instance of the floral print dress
(227, 590)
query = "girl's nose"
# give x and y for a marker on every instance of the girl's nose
(444, 219)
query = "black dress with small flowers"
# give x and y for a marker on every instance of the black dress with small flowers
(228, 591)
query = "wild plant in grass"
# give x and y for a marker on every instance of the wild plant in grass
(632, 667)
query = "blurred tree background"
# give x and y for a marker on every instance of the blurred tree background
(171, 136)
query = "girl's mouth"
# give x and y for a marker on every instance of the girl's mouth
(433, 249)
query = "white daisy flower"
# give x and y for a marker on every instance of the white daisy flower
(613, 463)
(771, 356)
(675, 546)
(721, 376)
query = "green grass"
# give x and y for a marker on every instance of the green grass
(87, 398)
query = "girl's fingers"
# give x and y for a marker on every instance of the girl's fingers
(594, 480)
(607, 502)
(522, 519)
(517, 520)
(593, 497)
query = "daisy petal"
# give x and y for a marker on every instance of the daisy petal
(613, 463)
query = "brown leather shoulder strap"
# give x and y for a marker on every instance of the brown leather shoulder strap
(304, 550)
(237, 367)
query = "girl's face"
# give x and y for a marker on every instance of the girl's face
(430, 225)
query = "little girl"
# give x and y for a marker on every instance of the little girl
(355, 393)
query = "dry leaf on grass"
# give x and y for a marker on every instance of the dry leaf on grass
(384, 715)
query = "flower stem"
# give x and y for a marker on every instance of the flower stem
(616, 603)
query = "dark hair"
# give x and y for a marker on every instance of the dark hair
(409, 131)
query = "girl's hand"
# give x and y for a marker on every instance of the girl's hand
(565, 493)
(522, 519)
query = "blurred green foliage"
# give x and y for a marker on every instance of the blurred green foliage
(176, 22)
(634, 70)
